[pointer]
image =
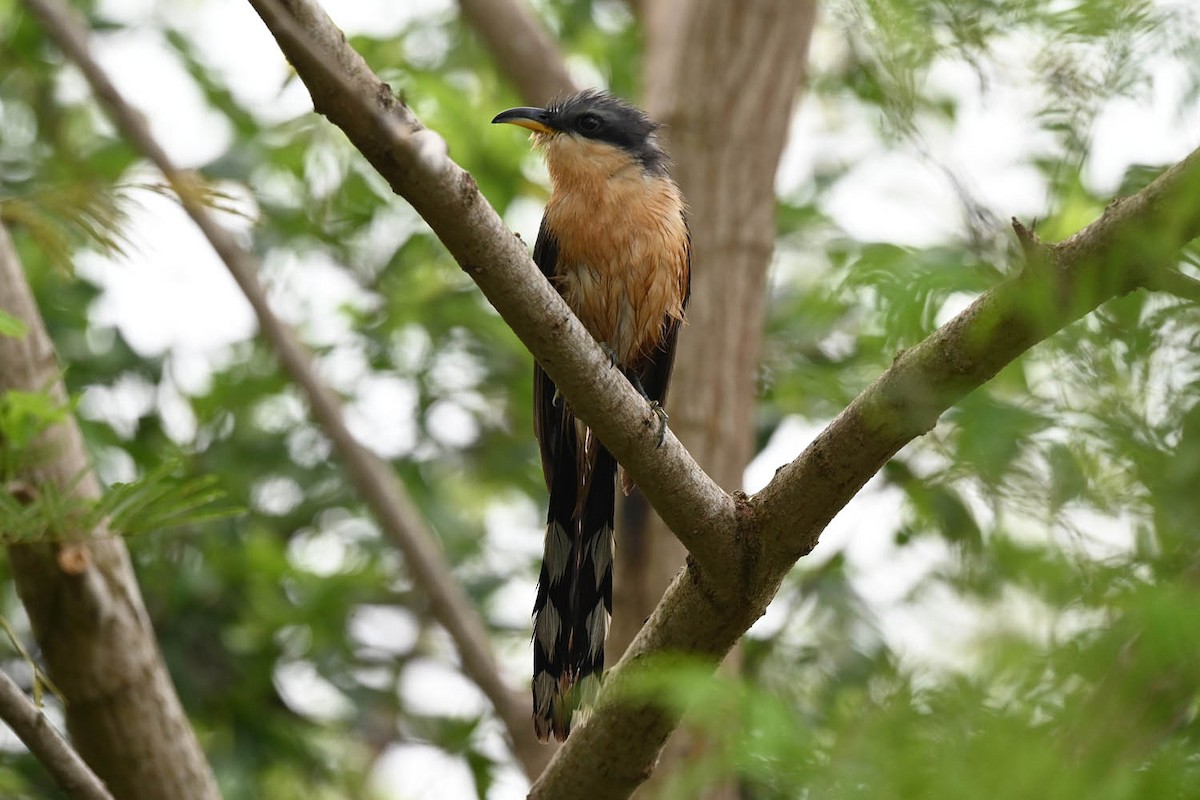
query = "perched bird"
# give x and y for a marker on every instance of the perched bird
(614, 241)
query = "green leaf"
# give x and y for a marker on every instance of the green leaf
(24, 415)
(11, 326)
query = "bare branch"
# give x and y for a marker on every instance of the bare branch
(522, 48)
(31, 726)
(374, 480)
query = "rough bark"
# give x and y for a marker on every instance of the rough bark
(84, 603)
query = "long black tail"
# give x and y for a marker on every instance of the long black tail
(574, 598)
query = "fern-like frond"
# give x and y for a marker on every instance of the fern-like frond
(63, 217)
(157, 501)
(161, 500)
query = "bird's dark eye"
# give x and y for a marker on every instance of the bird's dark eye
(589, 123)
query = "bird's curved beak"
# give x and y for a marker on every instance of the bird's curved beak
(535, 119)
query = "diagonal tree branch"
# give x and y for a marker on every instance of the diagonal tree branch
(740, 549)
(1137, 239)
(35, 731)
(374, 480)
(522, 48)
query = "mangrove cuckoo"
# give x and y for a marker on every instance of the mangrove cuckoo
(614, 242)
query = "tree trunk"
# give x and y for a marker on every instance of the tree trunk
(723, 77)
(83, 601)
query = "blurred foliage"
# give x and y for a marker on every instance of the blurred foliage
(1057, 505)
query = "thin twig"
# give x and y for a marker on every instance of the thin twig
(1172, 281)
(31, 726)
(41, 680)
(375, 481)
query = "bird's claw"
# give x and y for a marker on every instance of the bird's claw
(661, 413)
(608, 351)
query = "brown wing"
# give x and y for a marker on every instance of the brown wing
(655, 375)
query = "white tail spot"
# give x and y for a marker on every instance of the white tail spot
(558, 551)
